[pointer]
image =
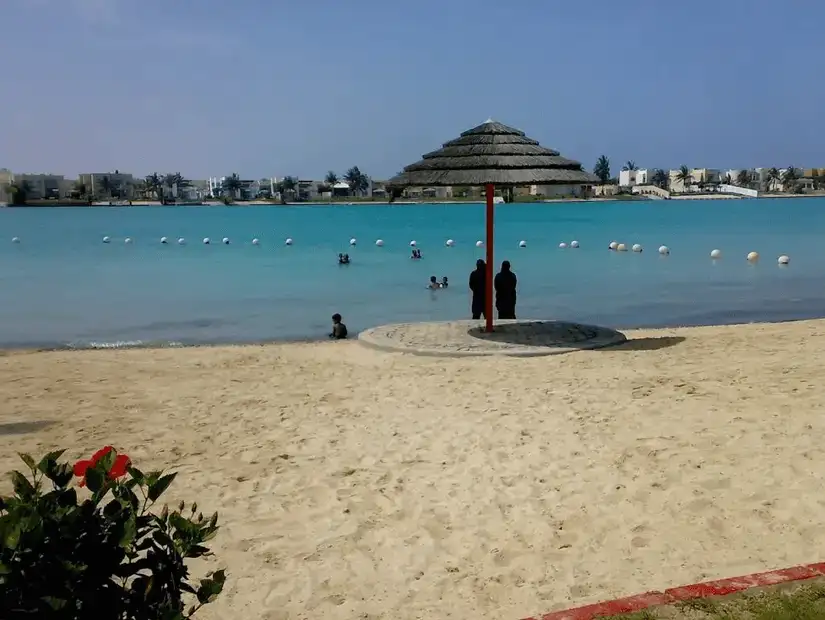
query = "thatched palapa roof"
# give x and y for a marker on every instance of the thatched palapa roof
(493, 153)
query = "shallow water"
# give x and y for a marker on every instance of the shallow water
(61, 286)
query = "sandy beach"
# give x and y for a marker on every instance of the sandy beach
(353, 483)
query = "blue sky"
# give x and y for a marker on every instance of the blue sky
(300, 87)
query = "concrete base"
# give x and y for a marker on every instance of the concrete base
(468, 338)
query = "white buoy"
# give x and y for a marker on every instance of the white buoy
(614, 245)
(753, 257)
(15, 239)
(353, 241)
(637, 247)
(106, 239)
(784, 260)
(479, 244)
(449, 243)
(574, 244)
(714, 254)
(288, 241)
(563, 245)
(522, 244)
(379, 242)
(256, 241)
(664, 250)
(127, 240)
(163, 240)
(621, 247)
(207, 241)
(412, 243)
(181, 241)
(225, 240)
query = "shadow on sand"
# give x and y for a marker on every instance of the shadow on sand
(21, 428)
(646, 344)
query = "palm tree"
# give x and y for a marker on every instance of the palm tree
(231, 185)
(357, 180)
(602, 169)
(685, 177)
(743, 178)
(772, 179)
(104, 187)
(18, 192)
(154, 184)
(630, 165)
(79, 189)
(789, 178)
(331, 178)
(660, 178)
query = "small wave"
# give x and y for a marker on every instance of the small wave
(122, 344)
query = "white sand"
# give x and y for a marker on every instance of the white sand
(358, 484)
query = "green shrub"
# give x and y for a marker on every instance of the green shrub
(106, 556)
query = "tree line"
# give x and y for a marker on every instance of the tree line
(749, 179)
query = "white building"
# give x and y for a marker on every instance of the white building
(43, 186)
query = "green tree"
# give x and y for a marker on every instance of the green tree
(331, 178)
(602, 169)
(231, 185)
(154, 184)
(772, 179)
(789, 178)
(685, 177)
(630, 165)
(19, 192)
(660, 178)
(743, 178)
(103, 186)
(358, 182)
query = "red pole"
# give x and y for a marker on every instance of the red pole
(488, 299)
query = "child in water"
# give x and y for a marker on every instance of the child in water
(444, 282)
(433, 283)
(339, 330)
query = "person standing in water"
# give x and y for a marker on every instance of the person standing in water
(478, 286)
(505, 285)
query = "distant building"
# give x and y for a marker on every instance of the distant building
(631, 178)
(103, 185)
(43, 186)
(627, 178)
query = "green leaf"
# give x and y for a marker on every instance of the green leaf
(95, 479)
(47, 460)
(4, 570)
(107, 461)
(211, 587)
(54, 603)
(12, 536)
(156, 489)
(22, 487)
(28, 460)
(136, 474)
(129, 532)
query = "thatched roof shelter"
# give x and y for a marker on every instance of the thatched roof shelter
(493, 153)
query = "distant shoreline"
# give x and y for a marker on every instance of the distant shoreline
(338, 203)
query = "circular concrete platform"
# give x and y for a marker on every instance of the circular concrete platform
(467, 338)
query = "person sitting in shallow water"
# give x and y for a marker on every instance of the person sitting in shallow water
(416, 253)
(444, 282)
(433, 283)
(343, 259)
(339, 330)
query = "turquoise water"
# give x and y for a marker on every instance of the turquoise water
(61, 286)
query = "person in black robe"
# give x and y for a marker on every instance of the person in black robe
(478, 285)
(505, 285)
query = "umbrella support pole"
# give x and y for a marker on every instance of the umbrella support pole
(488, 297)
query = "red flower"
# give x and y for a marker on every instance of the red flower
(118, 469)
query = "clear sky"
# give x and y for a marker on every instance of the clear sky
(298, 87)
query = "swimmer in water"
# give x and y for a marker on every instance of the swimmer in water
(444, 283)
(433, 283)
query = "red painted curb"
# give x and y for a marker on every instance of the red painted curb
(686, 593)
